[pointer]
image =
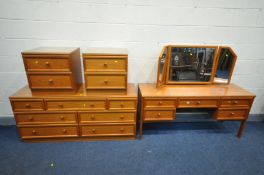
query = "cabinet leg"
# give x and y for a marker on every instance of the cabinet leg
(241, 128)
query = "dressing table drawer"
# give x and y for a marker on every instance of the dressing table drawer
(108, 130)
(97, 117)
(231, 114)
(48, 131)
(75, 104)
(159, 115)
(105, 81)
(235, 102)
(45, 118)
(28, 105)
(122, 104)
(51, 81)
(150, 103)
(47, 64)
(197, 103)
(105, 64)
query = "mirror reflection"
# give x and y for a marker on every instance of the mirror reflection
(224, 66)
(191, 64)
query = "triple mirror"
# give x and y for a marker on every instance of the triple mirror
(195, 65)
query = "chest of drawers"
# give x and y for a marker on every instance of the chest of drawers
(53, 68)
(105, 70)
(78, 116)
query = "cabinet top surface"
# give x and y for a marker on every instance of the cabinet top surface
(50, 50)
(150, 90)
(105, 51)
(25, 92)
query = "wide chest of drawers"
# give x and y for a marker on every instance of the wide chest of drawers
(78, 116)
(229, 102)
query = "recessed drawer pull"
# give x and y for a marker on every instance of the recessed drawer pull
(60, 105)
(122, 117)
(198, 102)
(122, 129)
(122, 105)
(105, 65)
(27, 105)
(106, 81)
(160, 103)
(91, 105)
(47, 63)
(64, 131)
(34, 132)
(62, 117)
(232, 113)
(93, 130)
(50, 81)
(235, 102)
(158, 115)
(30, 118)
(92, 117)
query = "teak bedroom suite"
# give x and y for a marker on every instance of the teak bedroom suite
(57, 105)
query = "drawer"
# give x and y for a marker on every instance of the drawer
(159, 103)
(235, 102)
(75, 104)
(50, 81)
(93, 117)
(159, 115)
(122, 104)
(105, 64)
(45, 118)
(27, 105)
(231, 114)
(108, 130)
(197, 103)
(48, 131)
(105, 81)
(47, 64)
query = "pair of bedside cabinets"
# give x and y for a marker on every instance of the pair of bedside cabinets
(56, 105)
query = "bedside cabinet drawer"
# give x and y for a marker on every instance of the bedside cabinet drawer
(47, 64)
(231, 114)
(45, 118)
(197, 103)
(108, 130)
(104, 81)
(105, 64)
(75, 104)
(27, 105)
(50, 81)
(122, 104)
(94, 117)
(235, 102)
(159, 103)
(48, 132)
(159, 115)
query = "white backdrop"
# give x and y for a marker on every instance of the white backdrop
(141, 26)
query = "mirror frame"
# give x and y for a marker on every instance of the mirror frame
(232, 66)
(166, 69)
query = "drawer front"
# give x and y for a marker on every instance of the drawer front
(47, 81)
(198, 103)
(158, 115)
(106, 117)
(76, 105)
(122, 104)
(159, 103)
(234, 102)
(231, 114)
(45, 118)
(48, 132)
(105, 81)
(108, 130)
(105, 64)
(47, 64)
(36, 105)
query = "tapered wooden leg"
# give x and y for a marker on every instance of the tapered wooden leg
(241, 128)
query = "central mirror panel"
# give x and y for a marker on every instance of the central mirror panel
(191, 64)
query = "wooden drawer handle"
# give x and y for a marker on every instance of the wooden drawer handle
(27, 105)
(34, 132)
(93, 130)
(198, 102)
(106, 81)
(30, 118)
(235, 102)
(60, 105)
(91, 105)
(36, 62)
(50, 81)
(158, 115)
(122, 129)
(105, 65)
(62, 117)
(47, 63)
(232, 113)
(160, 103)
(122, 105)
(64, 131)
(122, 117)
(187, 102)
(92, 117)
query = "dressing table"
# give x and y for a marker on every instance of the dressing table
(194, 77)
